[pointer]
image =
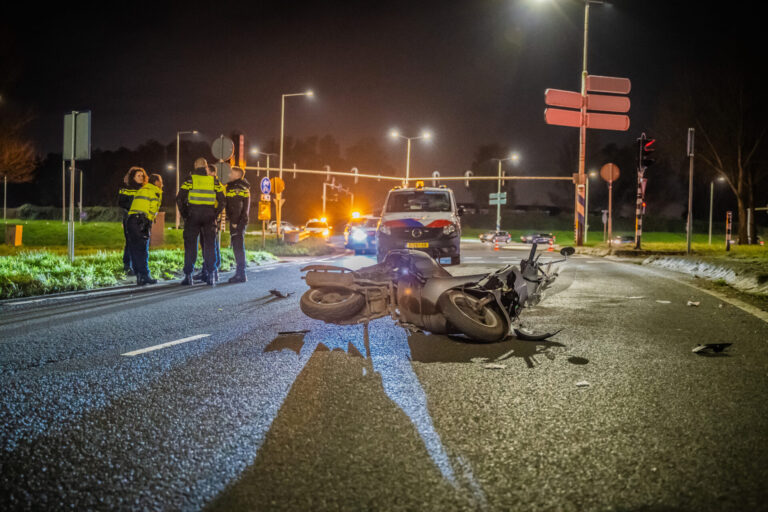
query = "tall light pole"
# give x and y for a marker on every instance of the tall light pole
(514, 157)
(279, 195)
(581, 187)
(178, 138)
(712, 203)
(395, 134)
(591, 174)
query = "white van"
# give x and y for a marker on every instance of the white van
(422, 218)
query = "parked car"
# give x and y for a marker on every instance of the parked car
(501, 237)
(360, 234)
(623, 239)
(539, 238)
(487, 236)
(287, 226)
(318, 228)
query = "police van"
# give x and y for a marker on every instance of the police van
(421, 218)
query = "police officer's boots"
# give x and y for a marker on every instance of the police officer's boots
(210, 280)
(200, 276)
(239, 277)
(187, 281)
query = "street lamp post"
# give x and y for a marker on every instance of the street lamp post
(279, 195)
(591, 174)
(580, 188)
(178, 139)
(711, 203)
(426, 135)
(514, 157)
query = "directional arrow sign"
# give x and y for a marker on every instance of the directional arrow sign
(562, 117)
(609, 84)
(607, 103)
(560, 98)
(607, 122)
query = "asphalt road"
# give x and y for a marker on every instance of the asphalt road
(243, 403)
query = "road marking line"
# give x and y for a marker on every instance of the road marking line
(164, 345)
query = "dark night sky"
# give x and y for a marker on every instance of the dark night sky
(473, 72)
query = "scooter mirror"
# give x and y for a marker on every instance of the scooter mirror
(567, 251)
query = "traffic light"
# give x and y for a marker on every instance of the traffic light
(646, 149)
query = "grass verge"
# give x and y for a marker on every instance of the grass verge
(41, 272)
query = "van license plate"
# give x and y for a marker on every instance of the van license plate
(417, 245)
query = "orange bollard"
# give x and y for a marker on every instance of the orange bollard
(495, 245)
(550, 248)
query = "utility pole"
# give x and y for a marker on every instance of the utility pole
(689, 224)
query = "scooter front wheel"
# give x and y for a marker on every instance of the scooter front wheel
(331, 304)
(478, 323)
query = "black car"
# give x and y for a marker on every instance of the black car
(538, 238)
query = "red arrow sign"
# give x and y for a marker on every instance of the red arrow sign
(609, 84)
(607, 122)
(562, 117)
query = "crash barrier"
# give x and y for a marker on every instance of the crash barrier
(157, 236)
(13, 234)
(294, 237)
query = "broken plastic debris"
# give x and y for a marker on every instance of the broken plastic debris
(692, 303)
(494, 366)
(711, 348)
(582, 384)
(279, 294)
(663, 301)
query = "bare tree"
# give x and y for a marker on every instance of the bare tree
(17, 155)
(725, 109)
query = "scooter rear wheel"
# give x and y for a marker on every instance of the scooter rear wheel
(485, 325)
(331, 304)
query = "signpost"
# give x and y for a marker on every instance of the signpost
(77, 146)
(593, 111)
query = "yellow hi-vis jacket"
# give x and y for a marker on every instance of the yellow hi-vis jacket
(202, 190)
(147, 201)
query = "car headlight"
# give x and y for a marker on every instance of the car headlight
(449, 229)
(358, 235)
(326, 232)
(385, 229)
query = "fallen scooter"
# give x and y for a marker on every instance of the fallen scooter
(419, 294)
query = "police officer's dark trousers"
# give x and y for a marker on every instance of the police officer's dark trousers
(137, 232)
(126, 251)
(200, 221)
(237, 241)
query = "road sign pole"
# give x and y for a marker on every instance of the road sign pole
(498, 205)
(689, 223)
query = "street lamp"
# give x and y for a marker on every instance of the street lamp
(395, 134)
(591, 174)
(711, 203)
(278, 195)
(514, 158)
(178, 137)
(256, 152)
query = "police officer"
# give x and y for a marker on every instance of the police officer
(238, 205)
(202, 275)
(200, 200)
(144, 207)
(134, 179)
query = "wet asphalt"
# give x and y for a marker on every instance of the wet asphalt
(257, 407)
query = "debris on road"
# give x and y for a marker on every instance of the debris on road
(582, 384)
(287, 333)
(711, 348)
(692, 303)
(279, 294)
(663, 301)
(494, 366)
